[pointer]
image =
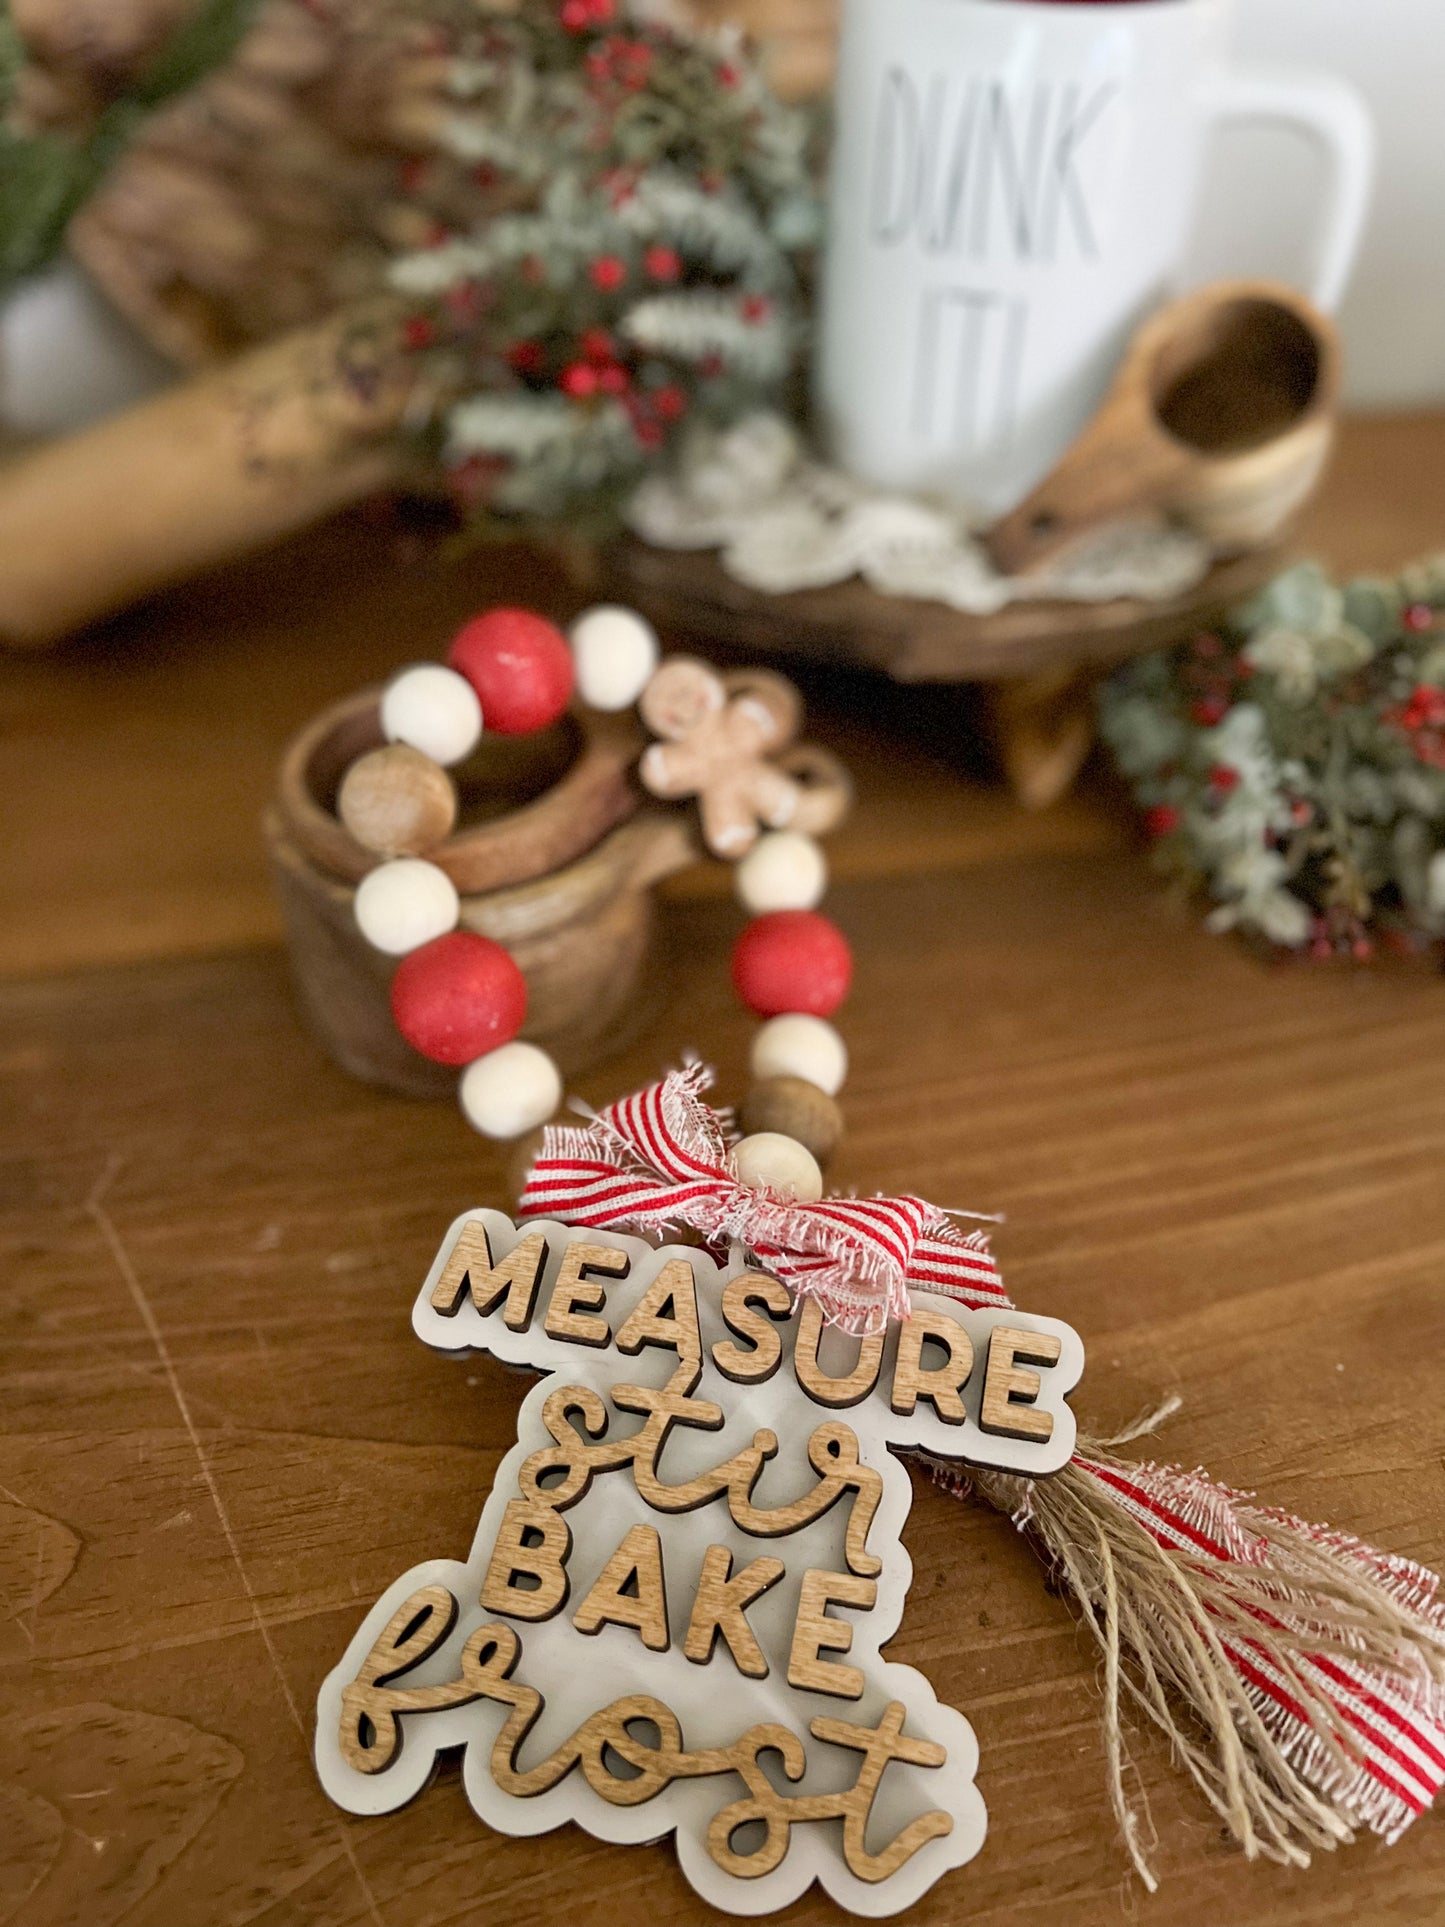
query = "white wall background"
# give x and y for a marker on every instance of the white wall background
(1257, 213)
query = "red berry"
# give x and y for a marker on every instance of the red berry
(418, 332)
(755, 307)
(1162, 821)
(579, 380)
(527, 357)
(1209, 710)
(1418, 618)
(458, 997)
(613, 379)
(791, 960)
(412, 173)
(670, 402)
(607, 272)
(595, 344)
(663, 264)
(1223, 780)
(520, 666)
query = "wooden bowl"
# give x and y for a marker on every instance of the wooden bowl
(554, 855)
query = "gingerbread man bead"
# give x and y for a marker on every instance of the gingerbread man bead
(715, 747)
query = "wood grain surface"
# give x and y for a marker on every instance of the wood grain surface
(221, 1440)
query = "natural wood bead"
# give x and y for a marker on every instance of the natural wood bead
(775, 1162)
(798, 1110)
(397, 801)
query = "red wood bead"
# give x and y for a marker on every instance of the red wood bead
(520, 666)
(792, 960)
(458, 997)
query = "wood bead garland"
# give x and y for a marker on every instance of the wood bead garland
(403, 904)
(520, 667)
(615, 651)
(797, 1044)
(792, 960)
(784, 870)
(779, 1163)
(434, 710)
(460, 999)
(797, 1109)
(397, 801)
(510, 1091)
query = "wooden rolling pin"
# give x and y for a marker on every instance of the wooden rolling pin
(1221, 416)
(200, 474)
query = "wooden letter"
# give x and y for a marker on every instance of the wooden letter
(469, 1268)
(629, 1591)
(739, 1296)
(666, 1314)
(814, 1632)
(370, 1732)
(532, 1543)
(939, 1384)
(1009, 1391)
(572, 1289)
(721, 1607)
(837, 1392)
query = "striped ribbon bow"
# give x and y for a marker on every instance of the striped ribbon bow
(659, 1159)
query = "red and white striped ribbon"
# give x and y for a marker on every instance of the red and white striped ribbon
(1385, 1762)
(660, 1159)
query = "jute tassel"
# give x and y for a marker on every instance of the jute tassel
(1298, 1674)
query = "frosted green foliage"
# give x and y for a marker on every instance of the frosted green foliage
(1293, 763)
(625, 216)
(696, 327)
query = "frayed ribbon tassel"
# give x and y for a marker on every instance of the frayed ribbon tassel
(1298, 1673)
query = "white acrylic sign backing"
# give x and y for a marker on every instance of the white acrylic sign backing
(716, 1704)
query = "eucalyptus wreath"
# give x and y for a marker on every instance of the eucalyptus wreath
(1292, 761)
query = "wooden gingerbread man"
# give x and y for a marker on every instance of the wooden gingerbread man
(715, 747)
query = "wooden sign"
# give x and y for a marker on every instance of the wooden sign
(672, 1614)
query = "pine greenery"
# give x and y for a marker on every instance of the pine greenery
(623, 218)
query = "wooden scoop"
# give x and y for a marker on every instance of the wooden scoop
(1221, 416)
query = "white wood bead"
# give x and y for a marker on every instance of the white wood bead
(797, 1045)
(510, 1091)
(405, 903)
(781, 1163)
(784, 870)
(434, 710)
(615, 651)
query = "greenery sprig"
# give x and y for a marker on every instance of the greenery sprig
(619, 220)
(1292, 762)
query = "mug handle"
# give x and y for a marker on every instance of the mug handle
(1336, 118)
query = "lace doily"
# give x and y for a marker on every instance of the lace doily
(782, 521)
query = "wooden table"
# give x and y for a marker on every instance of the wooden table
(221, 1441)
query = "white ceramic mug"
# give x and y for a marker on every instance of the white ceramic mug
(1014, 187)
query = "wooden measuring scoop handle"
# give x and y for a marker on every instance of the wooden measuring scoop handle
(1221, 415)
